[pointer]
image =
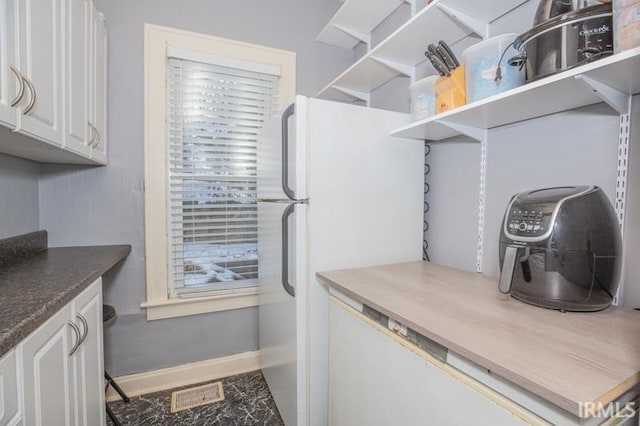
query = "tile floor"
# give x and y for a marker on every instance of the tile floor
(247, 402)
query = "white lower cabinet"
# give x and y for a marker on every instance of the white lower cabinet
(48, 373)
(374, 380)
(88, 360)
(61, 361)
(10, 413)
(379, 378)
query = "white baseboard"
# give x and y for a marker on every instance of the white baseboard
(186, 374)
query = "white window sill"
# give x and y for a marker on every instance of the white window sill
(172, 308)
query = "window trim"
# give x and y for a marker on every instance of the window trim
(158, 40)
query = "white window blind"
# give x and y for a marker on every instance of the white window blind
(214, 114)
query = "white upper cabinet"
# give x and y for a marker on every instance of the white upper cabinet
(53, 81)
(40, 48)
(78, 132)
(99, 87)
(9, 79)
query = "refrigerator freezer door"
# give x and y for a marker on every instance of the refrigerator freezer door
(366, 191)
(282, 267)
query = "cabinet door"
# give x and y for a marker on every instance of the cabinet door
(47, 373)
(77, 47)
(9, 390)
(9, 82)
(99, 151)
(375, 380)
(89, 368)
(40, 52)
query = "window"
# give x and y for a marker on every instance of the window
(205, 101)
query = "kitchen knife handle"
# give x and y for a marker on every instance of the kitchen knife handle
(449, 53)
(285, 250)
(446, 59)
(438, 64)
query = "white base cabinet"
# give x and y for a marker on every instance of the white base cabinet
(62, 365)
(373, 380)
(10, 413)
(379, 378)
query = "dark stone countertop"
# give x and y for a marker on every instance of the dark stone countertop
(34, 289)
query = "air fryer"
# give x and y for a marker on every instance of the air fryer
(560, 248)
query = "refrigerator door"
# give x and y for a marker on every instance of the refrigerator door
(282, 262)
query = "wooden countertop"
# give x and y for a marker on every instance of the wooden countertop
(565, 358)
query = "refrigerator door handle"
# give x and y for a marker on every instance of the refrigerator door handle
(288, 113)
(282, 201)
(285, 250)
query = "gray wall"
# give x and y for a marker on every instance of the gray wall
(105, 205)
(18, 196)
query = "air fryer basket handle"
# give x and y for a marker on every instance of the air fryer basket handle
(508, 268)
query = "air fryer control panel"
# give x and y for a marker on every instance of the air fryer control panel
(528, 221)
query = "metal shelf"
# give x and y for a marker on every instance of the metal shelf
(611, 80)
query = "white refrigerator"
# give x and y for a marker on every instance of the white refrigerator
(334, 191)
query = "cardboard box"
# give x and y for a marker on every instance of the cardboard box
(626, 24)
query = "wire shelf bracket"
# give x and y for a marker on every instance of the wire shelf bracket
(619, 101)
(365, 38)
(363, 96)
(402, 69)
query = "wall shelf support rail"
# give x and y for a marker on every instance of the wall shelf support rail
(480, 135)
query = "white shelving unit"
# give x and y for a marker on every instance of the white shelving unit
(460, 23)
(611, 80)
(355, 20)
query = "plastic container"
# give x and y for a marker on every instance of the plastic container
(626, 24)
(482, 59)
(423, 98)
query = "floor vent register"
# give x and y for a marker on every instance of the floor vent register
(196, 396)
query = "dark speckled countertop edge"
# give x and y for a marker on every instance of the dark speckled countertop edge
(21, 247)
(24, 327)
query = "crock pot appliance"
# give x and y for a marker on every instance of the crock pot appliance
(560, 248)
(566, 33)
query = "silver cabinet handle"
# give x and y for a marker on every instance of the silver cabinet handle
(34, 96)
(99, 138)
(76, 331)
(285, 250)
(85, 325)
(20, 93)
(93, 135)
(95, 142)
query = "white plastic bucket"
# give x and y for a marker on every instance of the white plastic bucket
(481, 62)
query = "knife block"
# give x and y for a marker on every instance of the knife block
(451, 91)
